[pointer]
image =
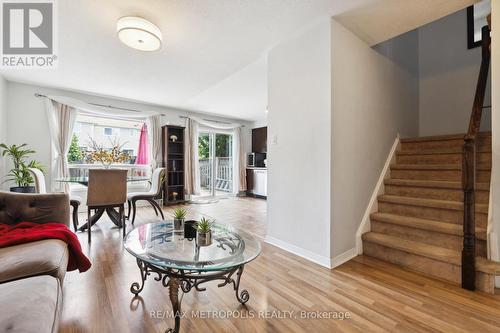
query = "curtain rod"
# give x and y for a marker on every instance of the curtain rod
(106, 106)
(134, 110)
(214, 121)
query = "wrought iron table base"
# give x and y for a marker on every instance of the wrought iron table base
(114, 216)
(187, 280)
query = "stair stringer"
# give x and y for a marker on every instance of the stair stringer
(365, 225)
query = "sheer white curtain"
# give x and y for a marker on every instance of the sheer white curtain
(239, 154)
(154, 137)
(239, 174)
(192, 167)
(61, 118)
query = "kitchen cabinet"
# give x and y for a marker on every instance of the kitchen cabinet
(259, 140)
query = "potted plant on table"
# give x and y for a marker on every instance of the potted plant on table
(179, 218)
(204, 232)
(20, 174)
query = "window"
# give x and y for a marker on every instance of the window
(131, 154)
(105, 132)
(78, 127)
(111, 131)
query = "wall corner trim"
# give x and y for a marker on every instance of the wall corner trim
(306, 254)
(344, 257)
(365, 226)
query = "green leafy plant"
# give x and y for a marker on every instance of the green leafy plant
(223, 145)
(74, 153)
(204, 225)
(180, 213)
(20, 173)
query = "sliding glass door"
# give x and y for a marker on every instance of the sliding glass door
(215, 157)
(205, 160)
(223, 174)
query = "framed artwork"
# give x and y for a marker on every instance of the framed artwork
(476, 20)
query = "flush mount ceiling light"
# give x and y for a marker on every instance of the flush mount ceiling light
(138, 33)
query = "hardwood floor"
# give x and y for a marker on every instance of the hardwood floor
(378, 296)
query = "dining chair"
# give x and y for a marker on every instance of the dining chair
(107, 189)
(40, 187)
(154, 192)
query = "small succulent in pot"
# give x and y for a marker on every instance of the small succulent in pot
(204, 232)
(179, 218)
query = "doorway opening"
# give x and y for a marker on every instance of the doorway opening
(215, 158)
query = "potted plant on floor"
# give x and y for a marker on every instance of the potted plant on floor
(204, 232)
(179, 218)
(20, 173)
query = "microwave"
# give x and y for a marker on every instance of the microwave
(256, 160)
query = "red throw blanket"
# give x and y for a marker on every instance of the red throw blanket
(26, 232)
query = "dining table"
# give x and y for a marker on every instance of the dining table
(113, 214)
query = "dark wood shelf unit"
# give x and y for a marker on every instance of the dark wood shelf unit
(173, 161)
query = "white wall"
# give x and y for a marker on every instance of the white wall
(299, 164)
(28, 124)
(374, 97)
(448, 77)
(3, 123)
(495, 132)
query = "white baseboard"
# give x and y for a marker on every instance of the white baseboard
(493, 252)
(306, 254)
(365, 226)
(344, 257)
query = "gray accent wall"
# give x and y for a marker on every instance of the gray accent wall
(448, 74)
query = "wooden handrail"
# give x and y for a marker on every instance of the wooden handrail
(469, 169)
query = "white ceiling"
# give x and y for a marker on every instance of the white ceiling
(243, 94)
(213, 58)
(210, 49)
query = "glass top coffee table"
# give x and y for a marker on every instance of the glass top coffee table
(178, 263)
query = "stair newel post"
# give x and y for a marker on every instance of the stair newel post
(469, 168)
(469, 242)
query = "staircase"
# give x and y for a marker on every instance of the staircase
(419, 223)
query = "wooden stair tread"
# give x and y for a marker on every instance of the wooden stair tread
(434, 138)
(421, 249)
(434, 184)
(449, 151)
(430, 251)
(487, 266)
(424, 224)
(442, 137)
(436, 167)
(433, 203)
(419, 222)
